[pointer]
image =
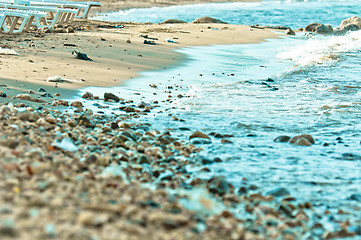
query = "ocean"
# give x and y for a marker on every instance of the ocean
(256, 92)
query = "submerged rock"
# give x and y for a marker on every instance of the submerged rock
(278, 192)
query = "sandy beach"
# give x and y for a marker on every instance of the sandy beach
(118, 54)
(70, 173)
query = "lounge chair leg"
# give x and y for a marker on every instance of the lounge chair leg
(13, 25)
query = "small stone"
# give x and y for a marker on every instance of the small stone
(23, 96)
(87, 95)
(278, 192)
(76, 104)
(199, 134)
(86, 218)
(70, 30)
(111, 96)
(282, 139)
(290, 32)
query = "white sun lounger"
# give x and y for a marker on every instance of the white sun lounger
(82, 8)
(10, 19)
(53, 15)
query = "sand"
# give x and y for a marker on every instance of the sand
(118, 54)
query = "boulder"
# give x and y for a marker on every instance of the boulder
(207, 20)
(324, 29)
(351, 27)
(290, 32)
(172, 21)
(352, 20)
(312, 27)
(111, 96)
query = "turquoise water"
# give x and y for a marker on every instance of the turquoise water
(293, 14)
(316, 90)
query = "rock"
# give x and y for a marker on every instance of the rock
(324, 29)
(86, 218)
(168, 220)
(350, 27)
(218, 185)
(355, 196)
(199, 134)
(312, 27)
(207, 20)
(307, 136)
(76, 104)
(50, 119)
(352, 20)
(84, 121)
(87, 95)
(10, 143)
(302, 142)
(172, 21)
(282, 139)
(278, 192)
(111, 96)
(23, 96)
(290, 32)
(70, 30)
(41, 90)
(60, 30)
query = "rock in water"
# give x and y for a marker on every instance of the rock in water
(111, 96)
(324, 29)
(306, 136)
(199, 134)
(207, 20)
(282, 139)
(302, 142)
(278, 192)
(352, 20)
(312, 27)
(290, 32)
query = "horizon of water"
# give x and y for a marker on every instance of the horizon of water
(316, 91)
(266, 12)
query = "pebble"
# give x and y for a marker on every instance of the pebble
(76, 104)
(199, 134)
(282, 139)
(278, 192)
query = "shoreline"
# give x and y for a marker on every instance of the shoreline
(118, 54)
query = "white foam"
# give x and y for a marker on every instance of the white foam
(320, 50)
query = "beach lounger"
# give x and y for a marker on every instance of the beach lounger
(53, 15)
(9, 20)
(82, 8)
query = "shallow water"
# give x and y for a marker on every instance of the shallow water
(316, 90)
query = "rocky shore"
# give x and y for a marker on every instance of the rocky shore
(70, 173)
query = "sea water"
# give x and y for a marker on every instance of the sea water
(315, 89)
